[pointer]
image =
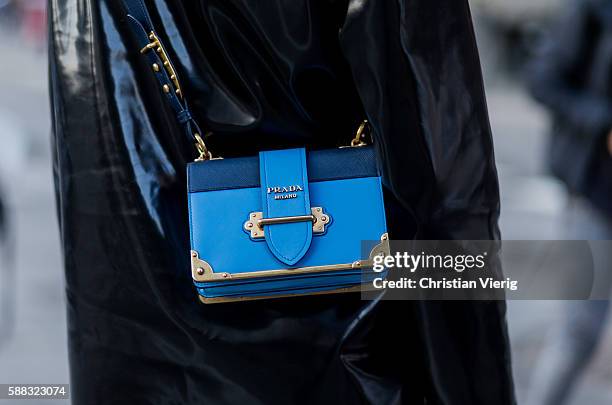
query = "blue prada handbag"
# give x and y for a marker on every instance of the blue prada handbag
(284, 223)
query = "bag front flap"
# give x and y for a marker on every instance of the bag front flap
(284, 191)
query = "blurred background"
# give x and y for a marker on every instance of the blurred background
(32, 318)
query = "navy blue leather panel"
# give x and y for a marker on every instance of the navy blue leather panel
(323, 165)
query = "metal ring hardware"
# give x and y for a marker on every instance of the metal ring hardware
(359, 139)
(204, 153)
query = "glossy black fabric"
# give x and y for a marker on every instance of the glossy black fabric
(268, 74)
(572, 76)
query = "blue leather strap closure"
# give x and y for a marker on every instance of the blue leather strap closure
(284, 192)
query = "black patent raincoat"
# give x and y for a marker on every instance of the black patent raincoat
(262, 74)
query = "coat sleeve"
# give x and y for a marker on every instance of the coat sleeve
(420, 81)
(559, 72)
(419, 78)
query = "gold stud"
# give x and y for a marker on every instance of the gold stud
(226, 275)
(178, 91)
(200, 271)
(249, 225)
(194, 254)
(166, 88)
(324, 218)
(155, 67)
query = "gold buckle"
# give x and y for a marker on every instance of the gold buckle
(159, 48)
(204, 153)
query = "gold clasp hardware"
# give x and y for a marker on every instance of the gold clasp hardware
(360, 134)
(204, 153)
(159, 48)
(256, 222)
